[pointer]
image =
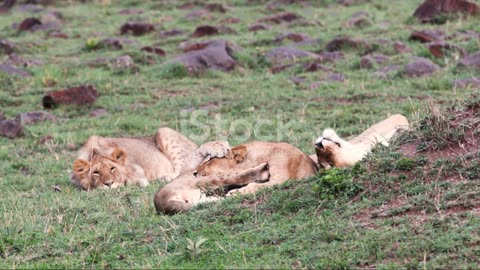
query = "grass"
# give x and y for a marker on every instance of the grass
(392, 210)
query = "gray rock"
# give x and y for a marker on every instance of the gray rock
(471, 60)
(34, 117)
(11, 70)
(11, 128)
(420, 67)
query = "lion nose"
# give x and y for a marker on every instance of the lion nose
(195, 173)
(108, 184)
(319, 143)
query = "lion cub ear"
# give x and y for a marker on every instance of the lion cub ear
(81, 167)
(119, 156)
(238, 153)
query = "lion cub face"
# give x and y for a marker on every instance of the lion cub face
(223, 166)
(102, 171)
(329, 149)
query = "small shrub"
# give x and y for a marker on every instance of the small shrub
(334, 182)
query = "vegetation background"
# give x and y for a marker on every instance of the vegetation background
(398, 208)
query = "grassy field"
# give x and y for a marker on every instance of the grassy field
(398, 208)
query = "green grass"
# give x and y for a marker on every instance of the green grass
(389, 211)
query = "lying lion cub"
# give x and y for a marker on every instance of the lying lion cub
(244, 166)
(332, 151)
(112, 162)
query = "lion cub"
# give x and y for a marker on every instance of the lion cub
(244, 167)
(333, 151)
(111, 171)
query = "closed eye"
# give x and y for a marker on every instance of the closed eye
(112, 169)
(337, 143)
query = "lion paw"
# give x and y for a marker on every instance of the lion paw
(213, 149)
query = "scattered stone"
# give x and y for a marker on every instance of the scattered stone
(298, 79)
(215, 7)
(199, 14)
(205, 30)
(131, 11)
(419, 67)
(81, 95)
(215, 55)
(46, 139)
(18, 61)
(342, 43)
(472, 60)
(387, 71)
(281, 17)
(136, 28)
(28, 24)
(465, 35)
(359, 19)
(171, 33)
(467, 83)
(336, 77)
(287, 55)
(111, 43)
(314, 67)
(124, 62)
(295, 37)
(431, 10)
(11, 128)
(331, 56)
(426, 36)
(7, 5)
(154, 50)
(257, 27)
(97, 62)
(11, 70)
(223, 29)
(57, 34)
(400, 47)
(34, 117)
(188, 46)
(280, 68)
(442, 49)
(7, 47)
(99, 112)
(230, 20)
(371, 60)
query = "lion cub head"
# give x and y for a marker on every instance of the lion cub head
(332, 151)
(101, 171)
(227, 165)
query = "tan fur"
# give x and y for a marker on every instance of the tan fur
(333, 151)
(163, 156)
(242, 166)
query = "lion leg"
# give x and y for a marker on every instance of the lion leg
(212, 149)
(257, 173)
(175, 146)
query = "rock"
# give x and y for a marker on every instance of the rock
(336, 77)
(215, 55)
(81, 95)
(7, 5)
(28, 24)
(99, 112)
(171, 33)
(472, 60)
(371, 60)
(10, 128)
(387, 71)
(131, 11)
(419, 67)
(400, 47)
(201, 14)
(430, 10)
(359, 19)
(280, 68)
(154, 50)
(205, 30)
(467, 83)
(314, 67)
(298, 80)
(331, 56)
(124, 62)
(229, 20)
(442, 49)
(257, 27)
(281, 17)
(215, 7)
(464, 35)
(342, 43)
(295, 37)
(426, 36)
(57, 34)
(34, 117)
(136, 28)
(18, 61)
(11, 70)
(287, 55)
(7, 47)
